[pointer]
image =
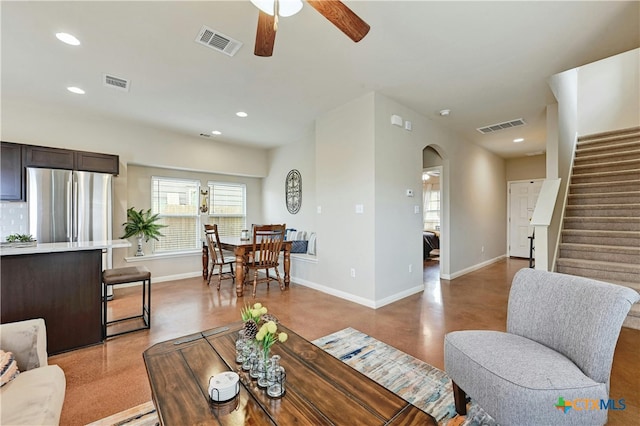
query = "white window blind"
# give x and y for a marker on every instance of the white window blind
(228, 207)
(431, 208)
(176, 202)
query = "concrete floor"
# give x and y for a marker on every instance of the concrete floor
(111, 377)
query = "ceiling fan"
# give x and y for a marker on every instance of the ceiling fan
(335, 11)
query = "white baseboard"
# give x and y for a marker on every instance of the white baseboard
(472, 268)
(357, 299)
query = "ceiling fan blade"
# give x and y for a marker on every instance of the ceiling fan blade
(342, 17)
(265, 35)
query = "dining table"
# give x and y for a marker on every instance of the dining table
(241, 248)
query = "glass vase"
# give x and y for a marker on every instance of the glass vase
(275, 378)
(240, 344)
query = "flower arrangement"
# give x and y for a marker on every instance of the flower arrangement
(261, 326)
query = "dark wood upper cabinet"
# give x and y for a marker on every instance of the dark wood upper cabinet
(51, 158)
(16, 157)
(12, 186)
(95, 162)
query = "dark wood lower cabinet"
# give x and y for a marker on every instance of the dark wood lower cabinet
(63, 288)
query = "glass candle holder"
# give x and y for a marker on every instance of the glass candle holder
(276, 387)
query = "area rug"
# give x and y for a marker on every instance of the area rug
(417, 382)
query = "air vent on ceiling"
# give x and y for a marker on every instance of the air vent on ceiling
(218, 41)
(116, 82)
(205, 135)
(501, 126)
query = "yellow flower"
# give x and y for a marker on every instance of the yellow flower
(263, 310)
(271, 327)
(257, 305)
(263, 329)
(260, 336)
(282, 337)
(255, 313)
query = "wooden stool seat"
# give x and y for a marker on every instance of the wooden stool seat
(123, 276)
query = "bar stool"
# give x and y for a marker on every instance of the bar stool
(123, 276)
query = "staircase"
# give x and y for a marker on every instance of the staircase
(601, 230)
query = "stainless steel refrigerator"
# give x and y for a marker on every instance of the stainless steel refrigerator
(70, 206)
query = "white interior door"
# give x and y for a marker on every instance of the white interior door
(522, 201)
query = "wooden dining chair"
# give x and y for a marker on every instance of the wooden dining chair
(218, 257)
(267, 245)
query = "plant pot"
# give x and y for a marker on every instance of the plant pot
(139, 252)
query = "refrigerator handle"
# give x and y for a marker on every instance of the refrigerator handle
(75, 210)
(69, 201)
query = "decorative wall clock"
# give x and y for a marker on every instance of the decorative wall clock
(293, 191)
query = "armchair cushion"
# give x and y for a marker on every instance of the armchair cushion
(535, 374)
(561, 335)
(28, 342)
(36, 395)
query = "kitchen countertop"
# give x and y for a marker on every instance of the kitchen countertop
(62, 247)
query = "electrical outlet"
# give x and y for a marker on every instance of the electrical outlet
(353, 272)
(410, 268)
(482, 249)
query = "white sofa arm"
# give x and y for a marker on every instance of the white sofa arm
(28, 342)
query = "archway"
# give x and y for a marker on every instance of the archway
(436, 204)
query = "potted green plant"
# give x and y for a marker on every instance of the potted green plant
(20, 240)
(142, 224)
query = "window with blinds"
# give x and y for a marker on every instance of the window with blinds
(176, 202)
(228, 207)
(431, 208)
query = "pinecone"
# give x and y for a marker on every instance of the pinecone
(268, 317)
(250, 329)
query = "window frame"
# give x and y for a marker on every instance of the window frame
(211, 215)
(197, 235)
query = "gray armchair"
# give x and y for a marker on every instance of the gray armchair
(553, 364)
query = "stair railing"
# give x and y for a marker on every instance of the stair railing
(532, 249)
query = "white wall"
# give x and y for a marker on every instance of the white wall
(360, 158)
(609, 94)
(565, 89)
(299, 155)
(345, 178)
(523, 168)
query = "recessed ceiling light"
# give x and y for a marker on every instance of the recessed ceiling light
(68, 38)
(76, 90)
(518, 140)
(445, 112)
(241, 114)
(216, 132)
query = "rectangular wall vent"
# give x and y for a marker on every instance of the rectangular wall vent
(218, 41)
(501, 126)
(119, 83)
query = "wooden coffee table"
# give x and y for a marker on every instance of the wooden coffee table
(320, 389)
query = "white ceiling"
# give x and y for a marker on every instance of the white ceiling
(486, 61)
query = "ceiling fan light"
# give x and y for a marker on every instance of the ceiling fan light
(287, 7)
